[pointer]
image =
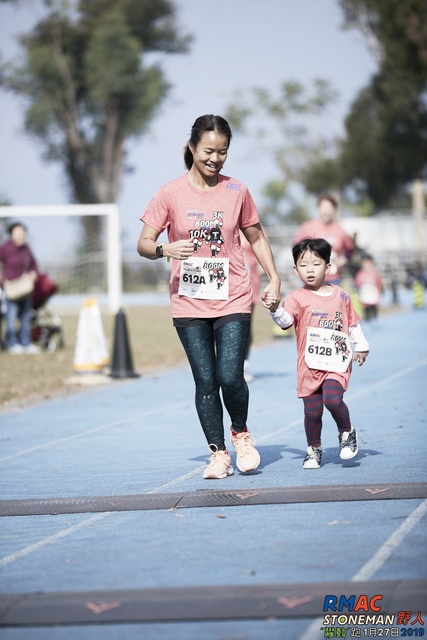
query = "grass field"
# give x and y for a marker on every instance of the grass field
(153, 345)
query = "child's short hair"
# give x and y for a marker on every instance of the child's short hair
(319, 246)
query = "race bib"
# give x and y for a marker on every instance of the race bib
(369, 294)
(327, 350)
(204, 278)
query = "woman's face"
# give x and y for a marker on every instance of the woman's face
(326, 211)
(210, 154)
(19, 235)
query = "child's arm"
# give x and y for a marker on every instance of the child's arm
(282, 318)
(359, 343)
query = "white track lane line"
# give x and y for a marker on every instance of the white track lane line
(82, 434)
(377, 561)
(13, 557)
(103, 427)
(363, 392)
(26, 551)
(65, 532)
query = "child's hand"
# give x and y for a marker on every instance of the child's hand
(275, 306)
(360, 357)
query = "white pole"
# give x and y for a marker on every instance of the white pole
(114, 260)
(419, 214)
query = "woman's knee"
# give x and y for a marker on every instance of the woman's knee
(230, 378)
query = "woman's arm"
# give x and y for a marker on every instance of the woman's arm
(262, 250)
(147, 244)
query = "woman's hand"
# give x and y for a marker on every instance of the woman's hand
(271, 295)
(179, 250)
(148, 241)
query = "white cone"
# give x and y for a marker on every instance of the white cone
(91, 353)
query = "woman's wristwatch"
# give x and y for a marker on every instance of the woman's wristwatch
(159, 251)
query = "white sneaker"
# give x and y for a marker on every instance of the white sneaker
(313, 459)
(16, 350)
(32, 349)
(348, 444)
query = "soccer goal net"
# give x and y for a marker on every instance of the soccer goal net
(78, 246)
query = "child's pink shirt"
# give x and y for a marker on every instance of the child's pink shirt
(369, 283)
(309, 309)
(187, 212)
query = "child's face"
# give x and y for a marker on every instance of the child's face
(312, 270)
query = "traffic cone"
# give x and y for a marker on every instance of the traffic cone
(91, 352)
(122, 366)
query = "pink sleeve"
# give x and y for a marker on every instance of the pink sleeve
(156, 213)
(291, 306)
(249, 213)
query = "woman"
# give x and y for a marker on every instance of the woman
(211, 297)
(325, 226)
(16, 258)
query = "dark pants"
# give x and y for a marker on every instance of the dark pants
(330, 395)
(216, 353)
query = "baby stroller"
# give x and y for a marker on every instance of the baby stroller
(46, 327)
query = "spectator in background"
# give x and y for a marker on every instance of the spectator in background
(417, 280)
(368, 281)
(16, 258)
(325, 226)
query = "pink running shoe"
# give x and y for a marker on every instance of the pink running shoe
(219, 466)
(247, 456)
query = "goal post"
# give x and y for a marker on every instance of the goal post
(113, 248)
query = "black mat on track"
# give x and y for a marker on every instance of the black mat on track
(214, 498)
(205, 603)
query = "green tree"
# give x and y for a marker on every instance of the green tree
(385, 144)
(88, 87)
(281, 126)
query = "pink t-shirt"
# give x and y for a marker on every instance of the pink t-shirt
(369, 283)
(308, 309)
(342, 244)
(212, 220)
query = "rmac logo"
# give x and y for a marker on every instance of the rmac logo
(363, 603)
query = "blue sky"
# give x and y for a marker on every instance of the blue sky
(238, 44)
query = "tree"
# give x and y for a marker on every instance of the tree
(385, 146)
(88, 88)
(287, 137)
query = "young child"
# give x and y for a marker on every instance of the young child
(325, 324)
(369, 283)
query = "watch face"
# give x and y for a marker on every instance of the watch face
(159, 251)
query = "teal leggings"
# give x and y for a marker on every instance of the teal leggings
(216, 357)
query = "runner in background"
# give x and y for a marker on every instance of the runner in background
(369, 284)
(325, 226)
